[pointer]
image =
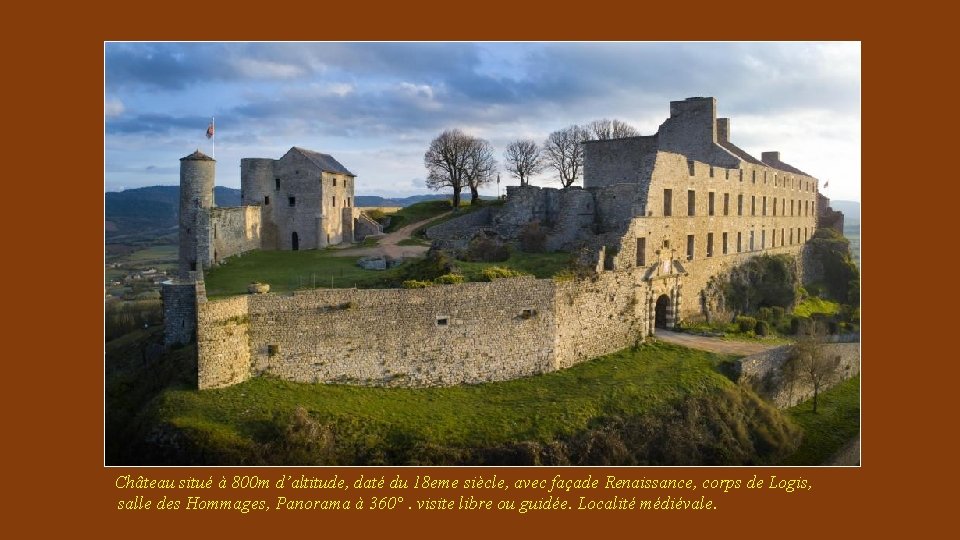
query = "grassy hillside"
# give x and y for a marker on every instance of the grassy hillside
(659, 404)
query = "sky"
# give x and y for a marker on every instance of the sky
(376, 106)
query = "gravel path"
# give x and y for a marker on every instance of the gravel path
(712, 344)
(388, 244)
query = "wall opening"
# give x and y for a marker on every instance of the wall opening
(691, 202)
(266, 200)
(668, 202)
(740, 205)
(710, 244)
(726, 204)
(739, 242)
(294, 241)
(710, 198)
(724, 243)
(690, 165)
(443, 321)
(276, 182)
(660, 316)
(690, 242)
(641, 251)
(292, 201)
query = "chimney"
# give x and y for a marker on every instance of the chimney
(770, 157)
(723, 130)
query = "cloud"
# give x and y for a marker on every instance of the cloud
(112, 108)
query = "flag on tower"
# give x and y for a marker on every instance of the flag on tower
(210, 131)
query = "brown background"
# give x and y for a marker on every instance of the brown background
(55, 481)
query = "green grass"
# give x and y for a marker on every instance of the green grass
(837, 422)
(290, 270)
(418, 212)
(153, 254)
(813, 304)
(626, 384)
(541, 265)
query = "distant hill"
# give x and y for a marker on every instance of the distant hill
(151, 211)
(376, 200)
(850, 209)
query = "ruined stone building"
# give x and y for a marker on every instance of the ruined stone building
(658, 216)
(304, 200)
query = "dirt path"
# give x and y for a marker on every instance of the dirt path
(388, 244)
(712, 344)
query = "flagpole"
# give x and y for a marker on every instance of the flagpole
(213, 122)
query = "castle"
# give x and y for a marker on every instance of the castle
(658, 215)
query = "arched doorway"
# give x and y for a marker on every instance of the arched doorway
(660, 317)
(295, 242)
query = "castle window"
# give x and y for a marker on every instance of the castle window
(334, 201)
(774, 206)
(741, 175)
(791, 207)
(690, 242)
(711, 171)
(739, 242)
(764, 177)
(710, 244)
(740, 205)
(334, 181)
(691, 202)
(666, 244)
(690, 165)
(764, 205)
(806, 208)
(710, 197)
(188, 230)
(273, 350)
(292, 201)
(754, 176)
(728, 173)
(781, 237)
(668, 202)
(349, 201)
(791, 235)
(753, 205)
(266, 200)
(783, 207)
(641, 251)
(277, 183)
(214, 232)
(527, 313)
(726, 204)
(193, 265)
(751, 241)
(724, 243)
(804, 234)
(763, 239)
(443, 321)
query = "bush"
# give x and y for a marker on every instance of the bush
(498, 272)
(799, 325)
(765, 314)
(486, 249)
(533, 238)
(746, 324)
(449, 279)
(436, 264)
(414, 284)
(767, 280)
(777, 313)
(762, 328)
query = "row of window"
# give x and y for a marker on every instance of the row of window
(806, 210)
(784, 240)
(292, 201)
(802, 185)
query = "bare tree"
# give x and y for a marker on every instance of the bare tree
(481, 167)
(809, 362)
(523, 159)
(446, 162)
(563, 151)
(604, 129)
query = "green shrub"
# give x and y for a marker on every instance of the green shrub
(449, 279)
(436, 264)
(746, 324)
(765, 314)
(414, 284)
(762, 328)
(777, 313)
(767, 280)
(498, 272)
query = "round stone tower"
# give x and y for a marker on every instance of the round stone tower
(197, 173)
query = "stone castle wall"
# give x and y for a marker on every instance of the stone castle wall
(179, 313)
(233, 231)
(438, 336)
(764, 373)
(223, 342)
